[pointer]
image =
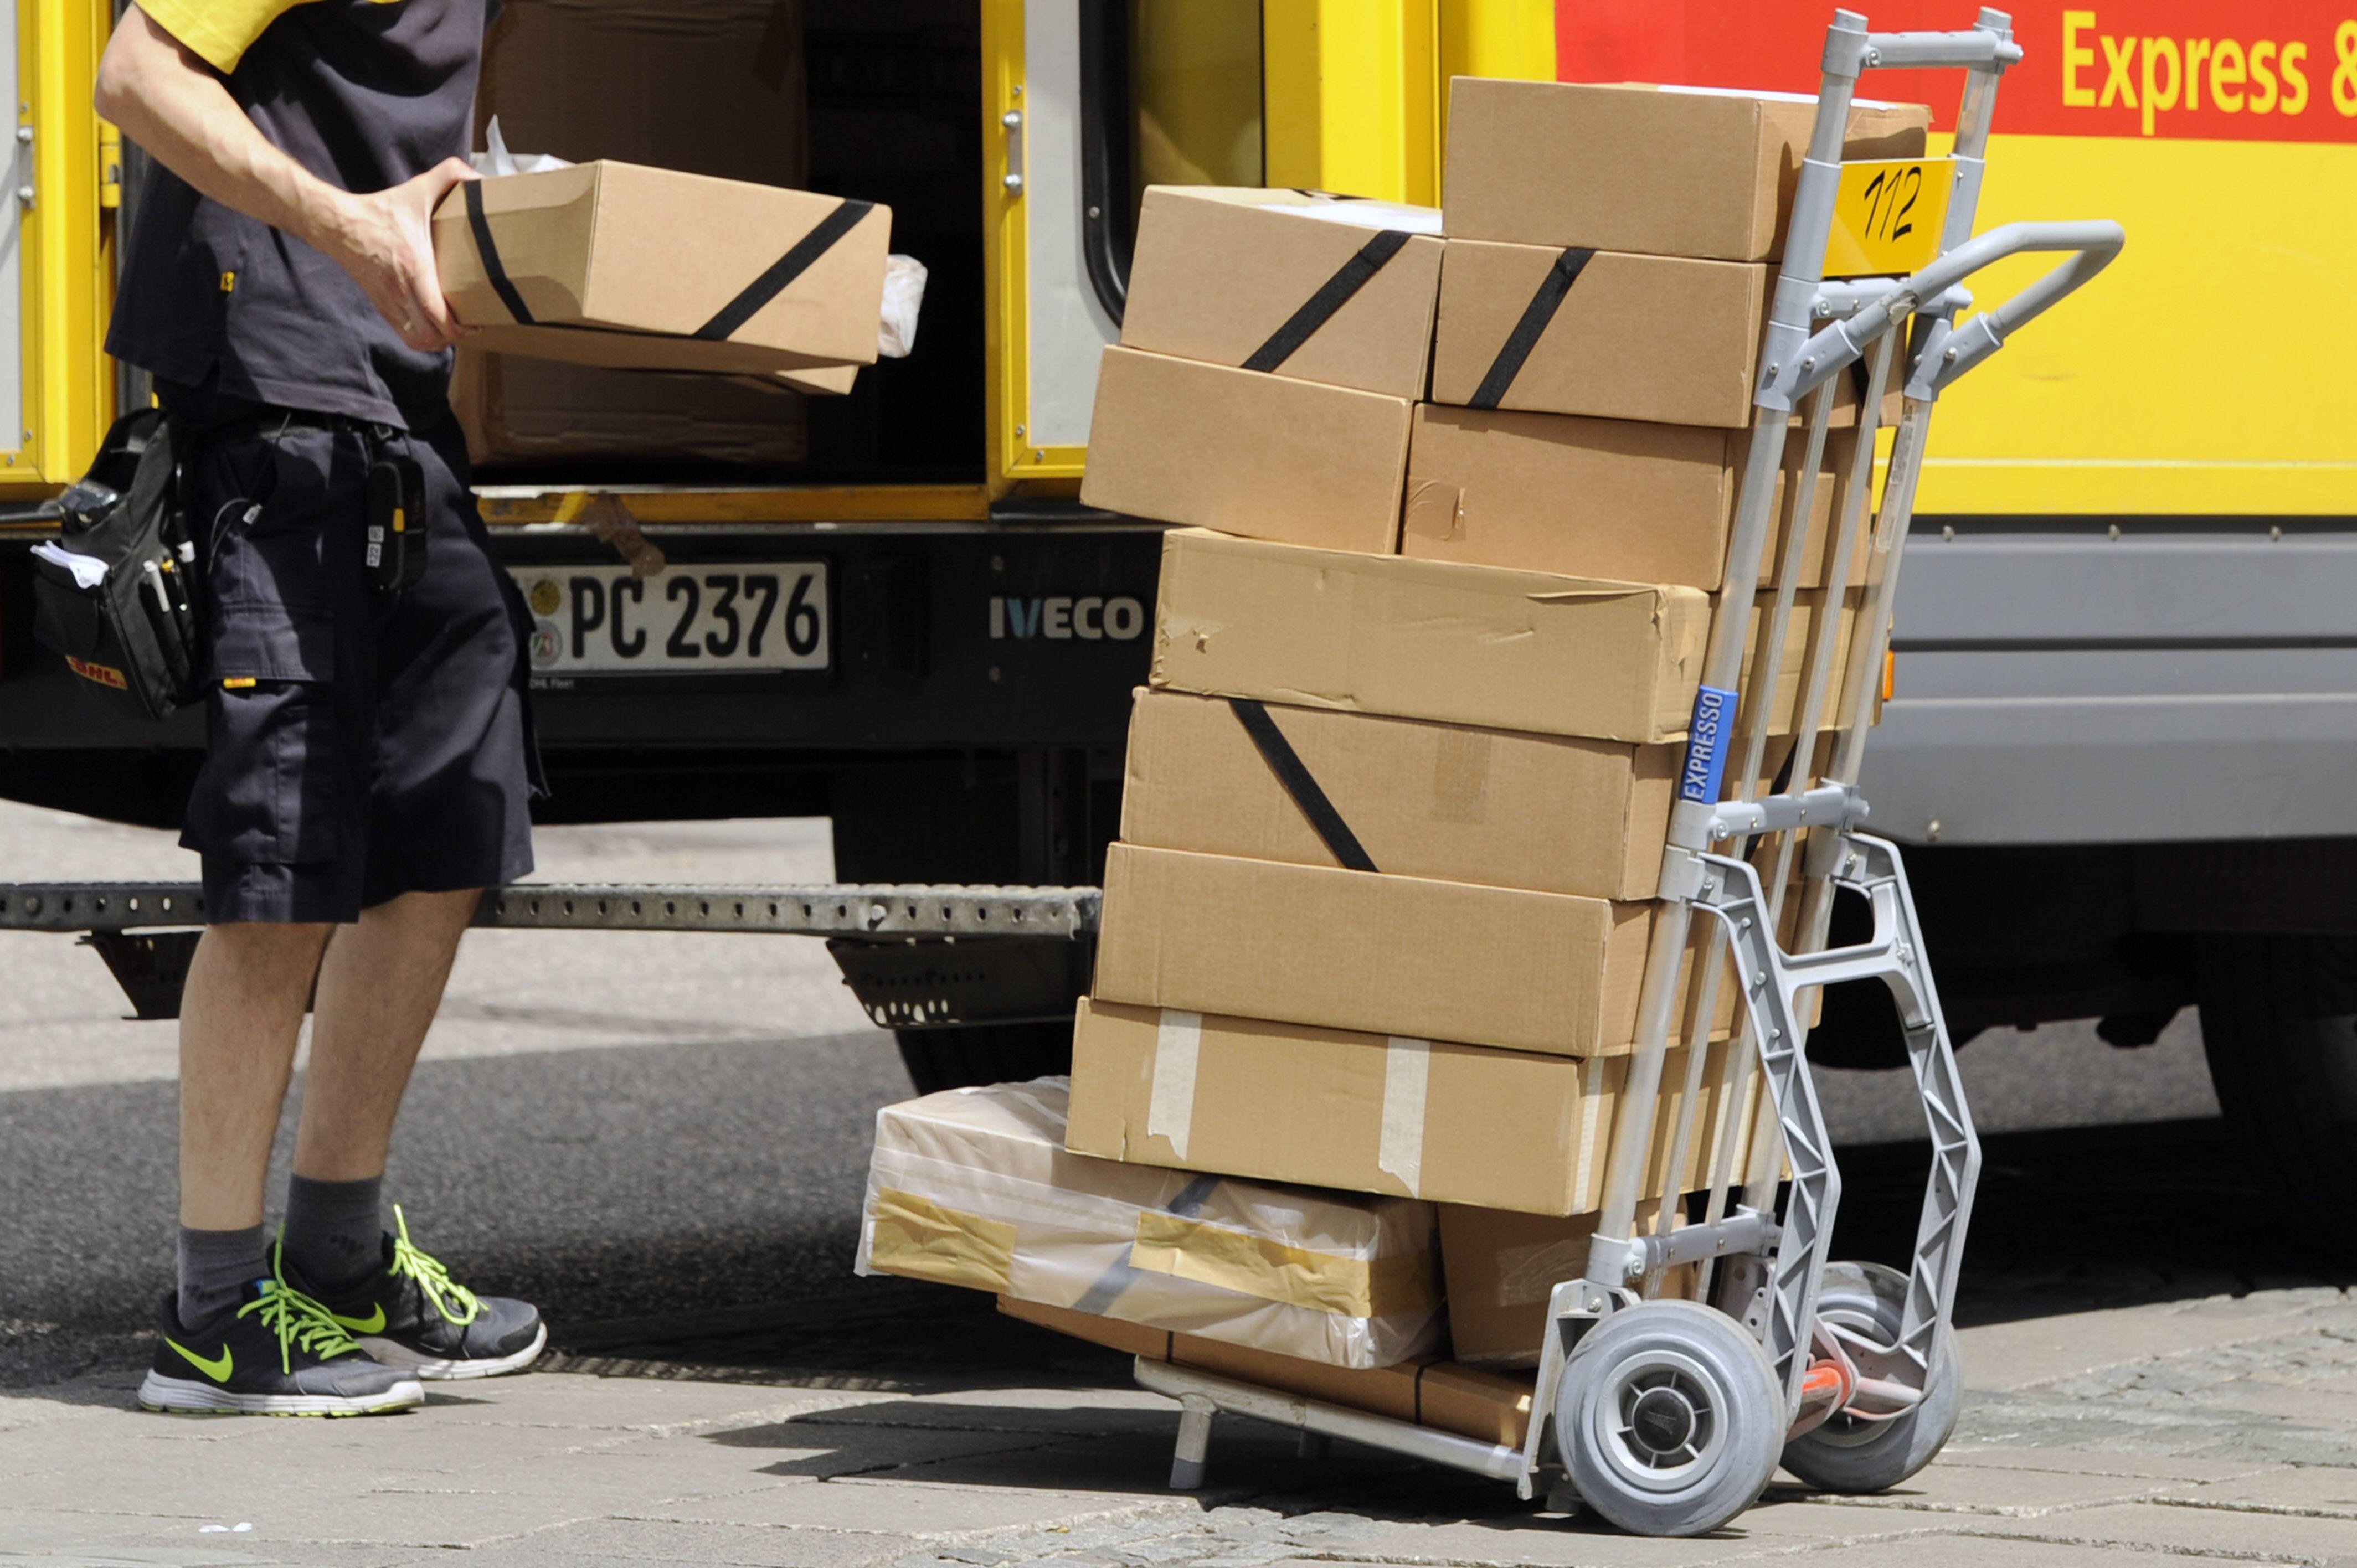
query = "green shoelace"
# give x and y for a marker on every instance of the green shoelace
(295, 1319)
(454, 1301)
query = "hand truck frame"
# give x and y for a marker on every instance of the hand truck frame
(1668, 1416)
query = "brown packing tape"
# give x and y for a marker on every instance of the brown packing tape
(1460, 776)
(1273, 1270)
(922, 1240)
(1433, 510)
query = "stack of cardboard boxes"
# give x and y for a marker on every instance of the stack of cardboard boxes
(1457, 488)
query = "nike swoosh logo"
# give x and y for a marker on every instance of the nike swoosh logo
(218, 1368)
(373, 1324)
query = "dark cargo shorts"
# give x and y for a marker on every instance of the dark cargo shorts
(358, 746)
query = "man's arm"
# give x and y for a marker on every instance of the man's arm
(170, 103)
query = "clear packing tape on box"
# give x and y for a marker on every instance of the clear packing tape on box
(904, 277)
(973, 1188)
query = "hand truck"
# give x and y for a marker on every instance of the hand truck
(1668, 1416)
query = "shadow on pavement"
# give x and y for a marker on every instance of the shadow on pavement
(692, 1209)
(2074, 1219)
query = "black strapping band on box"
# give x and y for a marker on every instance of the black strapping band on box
(1531, 327)
(1331, 296)
(1286, 763)
(488, 249)
(784, 270)
(732, 316)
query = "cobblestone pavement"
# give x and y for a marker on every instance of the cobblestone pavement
(2214, 1427)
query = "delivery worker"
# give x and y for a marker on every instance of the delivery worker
(368, 758)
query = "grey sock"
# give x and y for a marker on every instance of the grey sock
(215, 1267)
(334, 1230)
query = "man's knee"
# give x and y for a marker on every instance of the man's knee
(436, 918)
(266, 941)
(268, 955)
(441, 907)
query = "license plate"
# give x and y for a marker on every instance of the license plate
(600, 619)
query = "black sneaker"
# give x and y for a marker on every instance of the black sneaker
(278, 1354)
(413, 1315)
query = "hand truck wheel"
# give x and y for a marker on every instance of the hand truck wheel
(1849, 1454)
(1669, 1418)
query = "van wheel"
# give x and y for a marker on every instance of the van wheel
(2279, 1027)
(985, 1053)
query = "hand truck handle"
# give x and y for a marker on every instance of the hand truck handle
(1983, 52)
(1948, 352)
(1850, 49)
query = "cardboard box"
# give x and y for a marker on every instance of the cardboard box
(1502, 1267)
(1665, 339)
(616, 264)
(1440, 640)
(1426, 639)
(1387, 955)
(715, 87)
(1246, 452)
(1296, 284)
(1486, 806)
(1605, 497)
(1701, 172)
(1367, 1112)
(1632, 337)
(1439, 1394)
(518, 411)
(973, 1188)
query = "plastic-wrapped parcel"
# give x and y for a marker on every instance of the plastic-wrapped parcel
(973, 1186)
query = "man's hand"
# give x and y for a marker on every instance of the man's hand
(386, 242)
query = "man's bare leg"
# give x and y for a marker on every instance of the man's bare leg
(378, 989)
(380, 986)
(239, 1017)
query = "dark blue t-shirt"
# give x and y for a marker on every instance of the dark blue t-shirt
(363, 93)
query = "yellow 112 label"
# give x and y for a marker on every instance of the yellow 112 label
(1888, 216)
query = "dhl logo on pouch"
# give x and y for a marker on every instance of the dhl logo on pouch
(105, 674)
(2267, 71)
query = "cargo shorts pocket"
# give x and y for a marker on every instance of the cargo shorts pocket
(275, 578)
(273, 788)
